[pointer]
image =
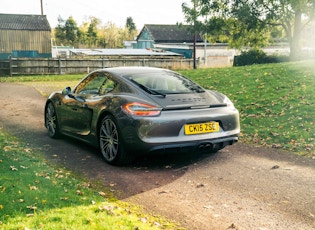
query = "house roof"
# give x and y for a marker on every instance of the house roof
(24, 22)
(171, 33)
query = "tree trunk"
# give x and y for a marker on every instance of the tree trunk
(295, 48)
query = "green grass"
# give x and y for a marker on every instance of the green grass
(35, 195)
(46, 84)
(276, 102)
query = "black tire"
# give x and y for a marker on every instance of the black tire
(110, 142)
(51, 121)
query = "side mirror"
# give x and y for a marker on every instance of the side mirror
(66, 91)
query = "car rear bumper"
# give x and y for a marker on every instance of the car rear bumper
(166, 132)
(211, 145)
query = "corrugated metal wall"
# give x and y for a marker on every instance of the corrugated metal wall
(24, 40)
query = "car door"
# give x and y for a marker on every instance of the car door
(77, 109)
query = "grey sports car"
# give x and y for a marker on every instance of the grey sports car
(130, 110)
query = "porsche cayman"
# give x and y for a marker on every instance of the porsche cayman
(124, 111)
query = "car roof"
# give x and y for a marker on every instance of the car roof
(122, 71)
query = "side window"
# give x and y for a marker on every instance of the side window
(108, 85)
(92, 84)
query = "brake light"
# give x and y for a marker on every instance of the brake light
(141, 109)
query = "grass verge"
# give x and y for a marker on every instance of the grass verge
(276, 102)
(35, 195)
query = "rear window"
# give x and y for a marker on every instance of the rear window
(166, 83)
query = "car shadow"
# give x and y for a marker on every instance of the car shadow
(146, 172)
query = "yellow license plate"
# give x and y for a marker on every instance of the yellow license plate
(208, 127)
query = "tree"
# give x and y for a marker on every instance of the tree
(249, 23)
(132, 29)
(59, 32)
(92, 31)
(287, 14)
(130, 25)
(111, 36)
(72, 31)
(92, 34)
(67, 32)
(193, 15)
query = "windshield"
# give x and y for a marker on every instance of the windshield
(165, 83)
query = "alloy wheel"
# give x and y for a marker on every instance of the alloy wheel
(109, 139)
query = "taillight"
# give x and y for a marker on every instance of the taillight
(141, 109)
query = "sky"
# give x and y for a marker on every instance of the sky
(116, 11)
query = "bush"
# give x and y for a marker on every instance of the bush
(256, 56)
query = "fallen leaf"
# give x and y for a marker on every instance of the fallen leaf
(232, 226)
(13, 168)
(276, 146)
(7, 148)
(108, 208)
(31, 207)
(163, 192)
(33, 188)
(143, 220)
(275, 167)
(27, 150)
(200, 186)
(103, 194)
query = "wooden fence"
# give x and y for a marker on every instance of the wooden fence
(47, 66)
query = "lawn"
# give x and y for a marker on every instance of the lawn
(276, 102)
(37, 195)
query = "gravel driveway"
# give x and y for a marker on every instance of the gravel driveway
(240, 187)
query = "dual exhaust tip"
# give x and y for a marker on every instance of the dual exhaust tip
(211, 147)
